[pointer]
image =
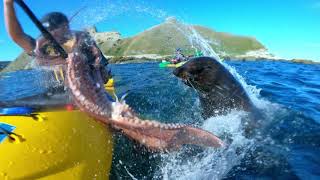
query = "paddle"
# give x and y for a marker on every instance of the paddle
(42, 29)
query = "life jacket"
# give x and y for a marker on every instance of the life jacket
(48, 58)
(46, 54)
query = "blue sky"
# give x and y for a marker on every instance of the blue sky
(288, 28)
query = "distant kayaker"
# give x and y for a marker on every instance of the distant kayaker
(179, 57)
(42, 50)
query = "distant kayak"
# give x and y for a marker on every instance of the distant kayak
(168, 64)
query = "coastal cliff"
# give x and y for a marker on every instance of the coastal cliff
(159, 42)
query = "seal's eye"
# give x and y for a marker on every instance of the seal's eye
(197, 71)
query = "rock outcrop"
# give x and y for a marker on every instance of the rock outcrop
(105, 40)
(3, 64)
(23, 61)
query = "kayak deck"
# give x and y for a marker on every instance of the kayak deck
(52, 145)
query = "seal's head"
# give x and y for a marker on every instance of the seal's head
(218, 90)
(200, 73)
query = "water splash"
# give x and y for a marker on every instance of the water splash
(211, 163)
(197, 41)
(102, 10)
(215, 164)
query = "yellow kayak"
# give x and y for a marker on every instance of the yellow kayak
(109, 86)
(59, 144)
(55, 145)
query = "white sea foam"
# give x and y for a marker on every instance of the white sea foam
(211, 163)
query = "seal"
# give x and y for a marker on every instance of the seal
(218, 90)
(86, 87)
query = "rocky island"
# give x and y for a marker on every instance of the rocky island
(159, 42)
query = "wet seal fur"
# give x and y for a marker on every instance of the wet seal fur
(218, 90)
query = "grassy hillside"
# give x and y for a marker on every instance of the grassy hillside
(166, 37)
(228, 43)
(19, 63)
(163, 39)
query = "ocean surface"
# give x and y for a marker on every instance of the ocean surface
(286, 147)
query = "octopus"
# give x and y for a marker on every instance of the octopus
(86, 85)
(89, 96)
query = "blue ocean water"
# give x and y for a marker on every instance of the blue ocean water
(287, 148)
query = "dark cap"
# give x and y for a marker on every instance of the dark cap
(54, 20)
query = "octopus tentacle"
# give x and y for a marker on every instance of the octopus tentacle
(90, 96)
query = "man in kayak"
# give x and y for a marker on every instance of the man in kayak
(42, 50)
(179, 57)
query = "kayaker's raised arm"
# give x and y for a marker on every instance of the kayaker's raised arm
(14, 28)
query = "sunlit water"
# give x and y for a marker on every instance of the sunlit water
(288, 147)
